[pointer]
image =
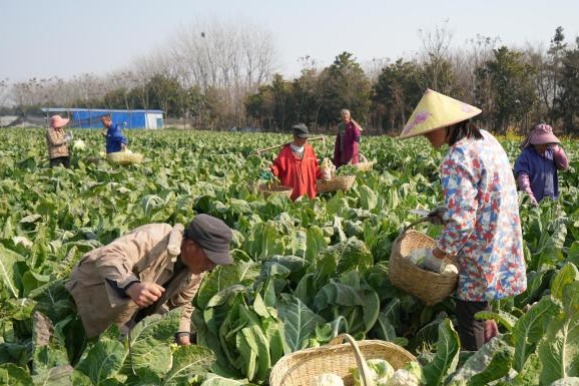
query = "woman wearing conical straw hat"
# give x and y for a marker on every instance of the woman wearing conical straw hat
(480, 216)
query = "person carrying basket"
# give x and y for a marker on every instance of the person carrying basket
(480, 216)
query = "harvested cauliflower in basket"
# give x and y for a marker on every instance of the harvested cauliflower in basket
(327, 379)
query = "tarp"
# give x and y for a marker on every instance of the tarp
(91, 119)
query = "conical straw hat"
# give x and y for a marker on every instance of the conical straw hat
(435, 111)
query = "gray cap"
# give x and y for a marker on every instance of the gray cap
(300, 130)
(213, 236)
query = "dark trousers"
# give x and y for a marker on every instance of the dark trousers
(64, 161)
(470, 330)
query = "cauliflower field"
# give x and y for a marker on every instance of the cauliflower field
(304, 272)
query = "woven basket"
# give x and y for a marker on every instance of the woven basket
(125, 158)
(364, 165)
(300, 367)
(337, 183)
(275, 189)
(428, 286)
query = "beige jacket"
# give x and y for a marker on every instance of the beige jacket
(140, 255)
(57, 146)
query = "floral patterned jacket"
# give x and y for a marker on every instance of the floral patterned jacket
(483, 227)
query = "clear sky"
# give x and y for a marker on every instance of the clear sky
(43, 38)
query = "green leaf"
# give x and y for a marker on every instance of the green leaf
(150, 343)
(299, 322)
(55, 376)
(9, 273)
(530, 328)
(14, 376)
(368, 199)
(566, 275)
(188, 361)
(559, 350)
(489, 363)
(103, 360)
(446, 358)
(224, 277)
(216, 380)
(505, 319)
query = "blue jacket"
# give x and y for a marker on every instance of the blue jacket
(115, 138)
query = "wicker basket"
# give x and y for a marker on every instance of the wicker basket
(364, 165)
(337, 183)
(428, 286)
(125, 158)
(275, 189)
(300, 367)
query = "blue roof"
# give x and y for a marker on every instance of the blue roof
(60, 109)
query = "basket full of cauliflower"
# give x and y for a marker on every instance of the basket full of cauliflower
(408, 271)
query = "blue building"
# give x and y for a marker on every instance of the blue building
(91, 118)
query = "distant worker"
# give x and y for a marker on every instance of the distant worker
(115, 140)
(154, 268)
(347, 141)
(296, 166)
(537, 165)
(57, 141)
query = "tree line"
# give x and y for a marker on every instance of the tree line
(220, 75)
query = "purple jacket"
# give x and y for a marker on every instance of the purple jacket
(542, 170)
(346, 149)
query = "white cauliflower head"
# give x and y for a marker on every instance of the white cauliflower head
(327, 379)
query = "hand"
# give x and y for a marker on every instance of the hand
(491, 330)
(266, 175)
(183, 339)
(67, 137)
(436, 216)
(145, 294)
(532, 198)
(123, 147)
(432, 263)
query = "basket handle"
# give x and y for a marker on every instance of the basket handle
(414, 223)
(365, 379)
(362, 157)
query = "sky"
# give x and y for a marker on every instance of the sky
(45, 38)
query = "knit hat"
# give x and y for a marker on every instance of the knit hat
(435, 111)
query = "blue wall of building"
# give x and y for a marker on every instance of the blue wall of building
(91, 119)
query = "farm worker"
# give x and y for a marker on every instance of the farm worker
(480, 217)
(57, 141)
(537, 165)
(115, 140)
(152, 269)
(297, 166)
(347, 140)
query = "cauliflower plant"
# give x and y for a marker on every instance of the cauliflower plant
(403, 377)
(379, 370)
(79, 145)
(327, 379)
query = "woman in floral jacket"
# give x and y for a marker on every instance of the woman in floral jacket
(482, 228)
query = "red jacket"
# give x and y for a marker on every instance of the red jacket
(300, 174)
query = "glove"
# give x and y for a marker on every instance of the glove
(68, 137)
(436, 216)
(432, 263)
(266, 175)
